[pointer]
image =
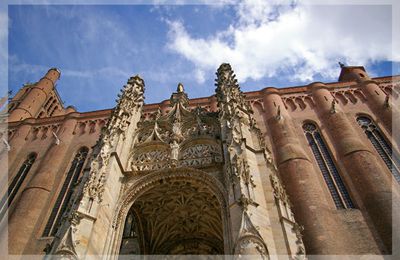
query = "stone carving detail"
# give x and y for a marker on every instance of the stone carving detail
(66, 248)
(253, 247)
(240, 131)
(174, 151)
(228, 91)
(130, 101)
(236, 116)
(281, 196)
(151, 160)
(301, 252)
(200, 154)
(279, 190)
(250, 241)
(170, 137)
(235, 110)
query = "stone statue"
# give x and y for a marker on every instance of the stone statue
(174, 150)
(180, 88)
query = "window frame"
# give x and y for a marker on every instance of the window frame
(16, 183)
(392, 155)
(340, 190)
(62, 198)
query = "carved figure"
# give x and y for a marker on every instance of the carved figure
(174, 150)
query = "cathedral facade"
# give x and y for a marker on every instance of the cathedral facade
(275, 173)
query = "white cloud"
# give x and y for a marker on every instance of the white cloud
(200, 76)
(270, 38)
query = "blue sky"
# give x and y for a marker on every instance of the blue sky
(98, 47)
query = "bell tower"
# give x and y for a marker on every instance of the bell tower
(36, 100)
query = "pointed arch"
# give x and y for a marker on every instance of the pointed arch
(382, 147)
(327, 167)
(191, 178)
(16, 183)
(132, 236)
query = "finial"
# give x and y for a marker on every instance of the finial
(341, 65)
(180, 88)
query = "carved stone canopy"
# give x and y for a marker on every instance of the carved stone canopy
(183, 136)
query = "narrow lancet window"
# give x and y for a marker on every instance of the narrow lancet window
(16, 183)
(383, 148)
(66, 192)
(328, 168)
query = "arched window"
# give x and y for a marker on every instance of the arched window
(66, 192)
(383, 148)
(328, 168)
(131, 239)
(16, 183)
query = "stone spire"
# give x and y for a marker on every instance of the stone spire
(237, 126)
(228, 91)
(234, 109)
(129, 101)
(115, 141)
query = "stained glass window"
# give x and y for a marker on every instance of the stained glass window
(383, 148)
(327, 166)
(16, 183)
(66, 192)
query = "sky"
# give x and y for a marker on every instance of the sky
(275, 43)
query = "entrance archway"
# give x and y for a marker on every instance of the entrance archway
(178, 214)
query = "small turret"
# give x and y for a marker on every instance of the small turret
(53, 74)
(37, 99)
(352, 73)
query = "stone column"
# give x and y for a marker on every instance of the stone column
(35, 98)
(34, 198)
(370, 178)
(252, 216)
(88, 227)
(311, 208)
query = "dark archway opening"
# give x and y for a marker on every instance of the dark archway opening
(176, 217)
